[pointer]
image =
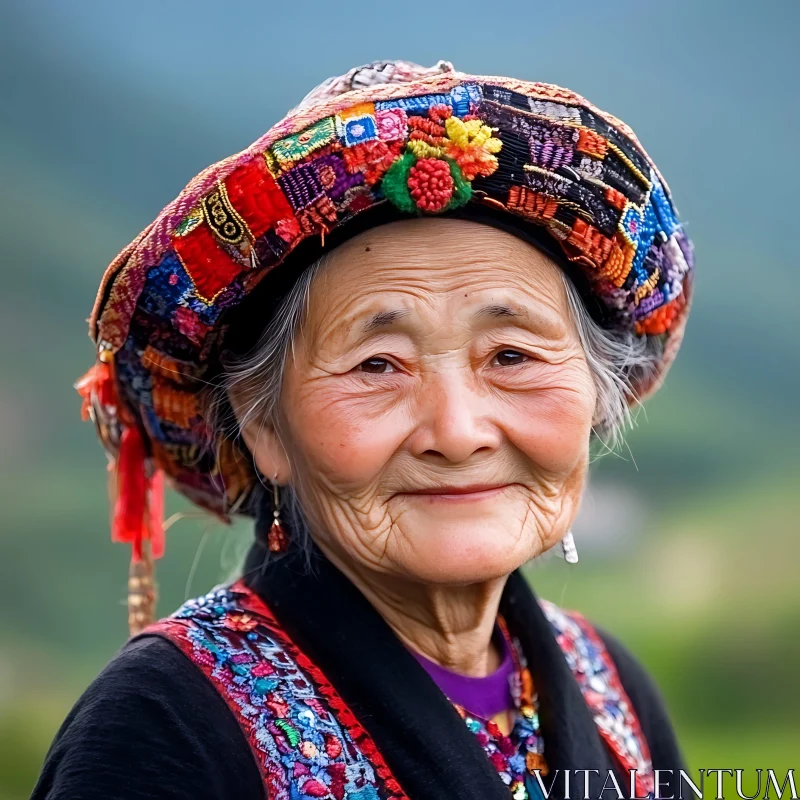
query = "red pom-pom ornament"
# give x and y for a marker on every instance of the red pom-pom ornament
(430, 184)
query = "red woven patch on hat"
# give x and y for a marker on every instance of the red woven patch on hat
(256, 197)
(619, 261)
(210, 268)
(531, 204)
(371, 158)
(190, 325)
(661, 320)
(616, 198)
(179, 407)
(590, 241)
(592, 143)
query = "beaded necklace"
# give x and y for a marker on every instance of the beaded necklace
(517, 754)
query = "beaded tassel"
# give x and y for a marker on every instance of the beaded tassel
(142, 592)
(278, 540)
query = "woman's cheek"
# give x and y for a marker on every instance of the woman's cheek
(345, 436)
(552, 427)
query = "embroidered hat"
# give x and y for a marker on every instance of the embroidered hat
(386, 141)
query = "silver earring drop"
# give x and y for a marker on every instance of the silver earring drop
(569, 549)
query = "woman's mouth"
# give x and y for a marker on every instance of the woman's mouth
(457, 494)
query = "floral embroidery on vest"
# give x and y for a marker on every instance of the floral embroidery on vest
(600, 684)
(307, 742)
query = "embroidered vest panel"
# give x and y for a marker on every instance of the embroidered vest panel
(307, 742)
(602, 690)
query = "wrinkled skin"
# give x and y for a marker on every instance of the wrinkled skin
(437, 396)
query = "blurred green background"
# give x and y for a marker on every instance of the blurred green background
(688, 537)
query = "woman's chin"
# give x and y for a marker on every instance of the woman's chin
(468, 551)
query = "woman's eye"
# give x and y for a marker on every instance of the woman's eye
(374, 365)
(510, 358)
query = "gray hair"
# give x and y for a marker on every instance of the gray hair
(617, 361)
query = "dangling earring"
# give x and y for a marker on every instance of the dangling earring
(569, 549)
(277, 539)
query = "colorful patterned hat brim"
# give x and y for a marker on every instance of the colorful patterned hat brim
(534, 157)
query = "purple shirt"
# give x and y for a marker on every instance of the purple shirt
(485, 697)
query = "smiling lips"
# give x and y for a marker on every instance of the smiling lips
(477, 491)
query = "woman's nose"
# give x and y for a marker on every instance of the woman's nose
(453, 416)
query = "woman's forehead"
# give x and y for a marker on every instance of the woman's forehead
(434, 237)
(441, 254)
(391, 276)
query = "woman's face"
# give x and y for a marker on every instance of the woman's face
(435, 353)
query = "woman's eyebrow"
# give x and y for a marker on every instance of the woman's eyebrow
(540, 320)
(498, 310)
(383, 319)
(386, 318)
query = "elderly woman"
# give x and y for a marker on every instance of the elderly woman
(388, 331)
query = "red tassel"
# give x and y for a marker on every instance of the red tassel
(139, 506)
(128, 525)
(155, 513)
(98, 382)
(138, 501)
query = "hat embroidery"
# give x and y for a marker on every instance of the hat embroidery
(443, 154)
(222, 217)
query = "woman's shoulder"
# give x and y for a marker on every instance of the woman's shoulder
(648, 701)
(585, 642)
(149, 719)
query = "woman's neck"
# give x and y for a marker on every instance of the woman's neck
(450, 625)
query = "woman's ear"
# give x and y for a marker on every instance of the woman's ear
(263, 442)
